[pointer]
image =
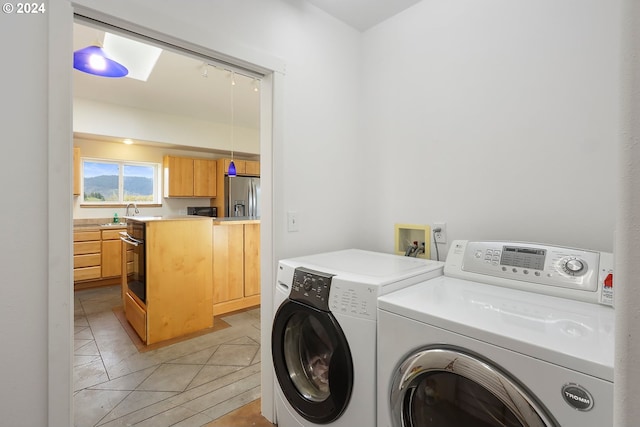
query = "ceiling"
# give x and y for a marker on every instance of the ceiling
(363, 14)
(178, 86)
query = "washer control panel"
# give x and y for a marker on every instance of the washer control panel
(569, 272)
(311, 287)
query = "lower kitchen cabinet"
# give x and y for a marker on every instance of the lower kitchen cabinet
(96, 257)
(236, 265)
(111, 253)
(86, 255)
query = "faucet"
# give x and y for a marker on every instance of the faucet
(135, 209)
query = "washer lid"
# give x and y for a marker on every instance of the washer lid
(573, 334)
(366, 266)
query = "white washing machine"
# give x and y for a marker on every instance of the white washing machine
(513, 334)
(324, 333)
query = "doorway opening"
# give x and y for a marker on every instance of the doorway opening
(248, 116)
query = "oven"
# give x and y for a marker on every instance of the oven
(136, 278)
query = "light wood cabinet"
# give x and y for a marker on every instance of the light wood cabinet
(97, 258)
(111, 253)
(251, 260)
(179, 300)
(86, 255)
(236, 266)
(76, 171)
(243, 167)
(188, 177)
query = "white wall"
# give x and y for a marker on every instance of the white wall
(99, 118)
(24, 254)
(496, 117)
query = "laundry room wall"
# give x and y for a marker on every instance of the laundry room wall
(499, 118)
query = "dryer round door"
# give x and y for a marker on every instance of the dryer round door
(312, 361)
(445, 387)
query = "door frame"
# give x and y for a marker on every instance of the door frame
(60, 212)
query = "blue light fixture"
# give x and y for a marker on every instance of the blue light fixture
(232, 169)
(94, 60)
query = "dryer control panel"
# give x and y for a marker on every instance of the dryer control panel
(311, 287)
(567, 272)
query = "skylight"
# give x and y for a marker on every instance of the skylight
(139, 58)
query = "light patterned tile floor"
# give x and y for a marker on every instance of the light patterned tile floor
(190, 383)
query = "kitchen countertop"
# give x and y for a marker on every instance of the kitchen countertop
(167, 218)
(92, 224)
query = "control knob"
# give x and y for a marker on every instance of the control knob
(306, 283)
(573, 266)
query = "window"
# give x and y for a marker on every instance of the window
(108, 182)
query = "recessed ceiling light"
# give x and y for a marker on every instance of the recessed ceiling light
(139, 58)
(128, 141)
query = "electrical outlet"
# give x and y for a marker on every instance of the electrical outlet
(440, 236)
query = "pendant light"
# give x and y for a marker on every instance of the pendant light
(94, 60)
(232, 167)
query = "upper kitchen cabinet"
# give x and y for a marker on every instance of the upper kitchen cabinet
(188, 177)
(243, 167)
(76, 171)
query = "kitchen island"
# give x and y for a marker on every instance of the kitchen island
(174, 265)
(236, 264)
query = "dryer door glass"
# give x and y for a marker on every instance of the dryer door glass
(448, 400)
(449, 388)
(307, 352)
(312, 361)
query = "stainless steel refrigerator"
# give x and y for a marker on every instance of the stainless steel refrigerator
(242, 196)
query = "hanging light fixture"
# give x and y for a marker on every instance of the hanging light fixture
(232, 166)
(94, 60)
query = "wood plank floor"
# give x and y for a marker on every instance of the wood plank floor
(248, 415)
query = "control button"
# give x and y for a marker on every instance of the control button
(478, 254)
(573, 266)
(489, 252)
(515, 270)
(537, 273)
(487, 258)
(525, 271)
(504, 268)
(608, 281)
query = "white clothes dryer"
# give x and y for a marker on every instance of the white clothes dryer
(324, 333)
(474, 348)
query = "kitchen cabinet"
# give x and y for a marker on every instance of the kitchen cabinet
(243, 167)
(111, 253)
(86, 255)
(236, 265)
(97, 257)
(178, 297)
(189, 177)
(76, 171)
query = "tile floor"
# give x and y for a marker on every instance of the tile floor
(190, 383)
